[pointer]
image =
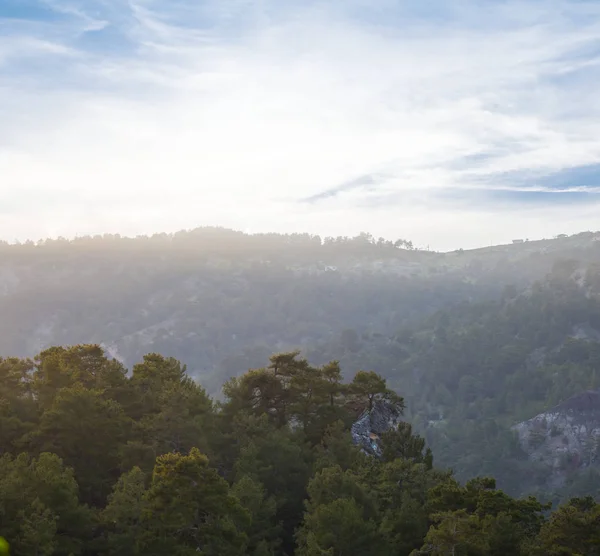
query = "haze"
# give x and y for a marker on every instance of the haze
(454, 124)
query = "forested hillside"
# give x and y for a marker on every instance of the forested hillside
(96, 460)
(477, 341)
(223, 300)
(473, 371)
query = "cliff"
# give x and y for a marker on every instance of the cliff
(566, 437)
(367, 430)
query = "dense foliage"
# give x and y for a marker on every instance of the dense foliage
(95, 460)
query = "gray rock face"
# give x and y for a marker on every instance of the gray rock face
(565, 437)
(371, 425)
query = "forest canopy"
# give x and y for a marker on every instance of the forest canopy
(96, 459)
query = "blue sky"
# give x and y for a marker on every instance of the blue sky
(454, 124)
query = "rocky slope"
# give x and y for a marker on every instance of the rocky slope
(566, 437)
(369, 427)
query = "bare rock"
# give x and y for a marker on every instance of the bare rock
(566, 437)
(367, 430)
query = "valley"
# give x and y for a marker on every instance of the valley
(476, 341)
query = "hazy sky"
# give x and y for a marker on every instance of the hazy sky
(451, 123)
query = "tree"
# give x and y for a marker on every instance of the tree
(264, 533)
(279, 460)
(506, 524)
(50, 376)
(572, 530)
(400, 442)
(272, 390)
(18, 408)
(39, 507)
(189, 509)
(332, 377)
(367, 387)
(122, 515)
(340, 518)
(333, 483)
(337, 449)
(401, 488)
(403, 244)
(455, 534)
(182, 419)
(87, 432)
(84, 365)
(337, 529)
(149, 378)
(309, 392)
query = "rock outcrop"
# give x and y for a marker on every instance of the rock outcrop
(366, 431)
(566, 437)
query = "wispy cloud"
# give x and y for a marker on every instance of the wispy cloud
(424, 120)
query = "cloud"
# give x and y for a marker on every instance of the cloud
(419, 120)
(366, 182)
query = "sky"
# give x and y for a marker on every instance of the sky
(452, 124)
